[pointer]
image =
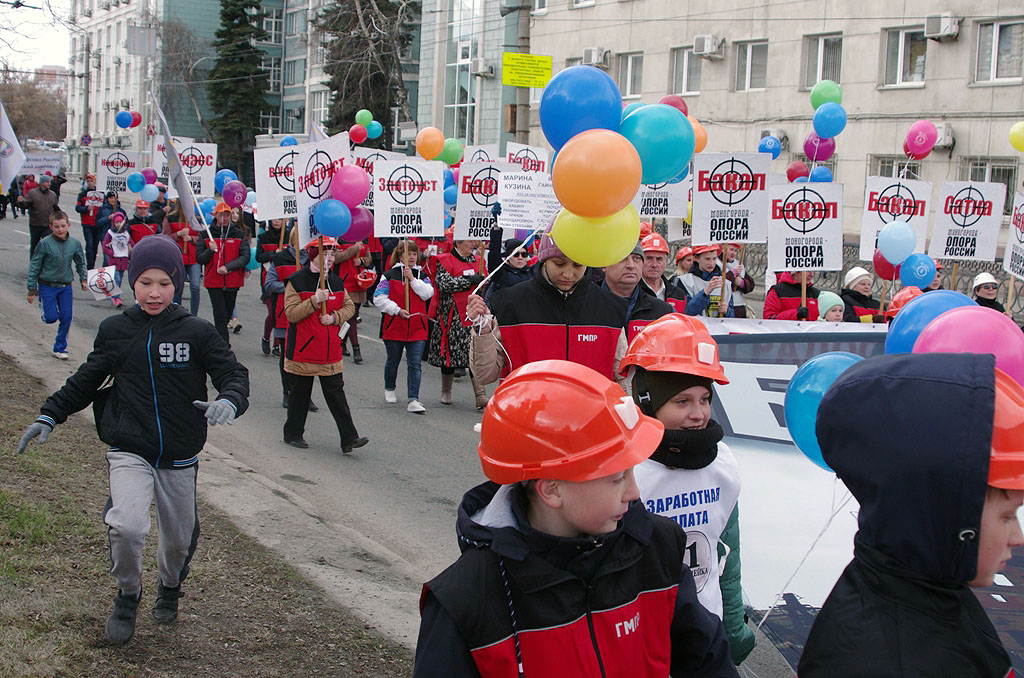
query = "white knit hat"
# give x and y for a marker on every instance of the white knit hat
(854, 275)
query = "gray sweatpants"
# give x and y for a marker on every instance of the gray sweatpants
(134, 485)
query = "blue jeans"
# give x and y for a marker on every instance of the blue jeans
(118, 277)
(93, 238)
(413, 358)
(193, 272)
(56, 305)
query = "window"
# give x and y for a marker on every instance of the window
(272, 65)
(319, 52)
(270, 121)
(460, 87)
(1002, 170)
(540, 6)
(293, 122)
(117, 33)
(631, 69)
(272, 24)
(295, 23)
(319, 103)
(905, 51)
(582, 3)
(295, 72)
(895, 166)
(751, 65)
(832, 163)
(1000, 51)
(685, 71)
(824, 58)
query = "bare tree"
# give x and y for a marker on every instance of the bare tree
(185, 62)
(34, 111)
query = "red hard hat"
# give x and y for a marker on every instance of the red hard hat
(365, 279)
(564, 421)
(315, 243)
(645, 229)
(1006, 465)
(654, 243)
(675, 343)
(701, 249)
(901, 299)
(683, 252)
(141, 203)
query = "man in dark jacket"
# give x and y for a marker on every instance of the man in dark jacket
(41, 203)
(927, 483)
(623, 280)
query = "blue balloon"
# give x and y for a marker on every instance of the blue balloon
(896, 241)
(801, 180)
(679, 177)
(222, 177)
(332, 218)
(917, 270)
(253, 264)
(149, 192)
(123, 119)
(804, 394)
(289, 141)
(579, 98)
(630, 108)
(451, 194)
(374, 130)
(449, 178)
(820, 174)
(770, 144)
(664, 139)
(209, 204)
(829, 120)
(250, 198)
(915, 316)
(447, 220)
(136, 182)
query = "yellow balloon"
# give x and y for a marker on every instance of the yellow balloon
(597, 241)
(1017, 136)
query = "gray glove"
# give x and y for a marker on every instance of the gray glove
(217, 411)
(36, 429)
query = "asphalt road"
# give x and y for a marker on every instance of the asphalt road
(370, 527)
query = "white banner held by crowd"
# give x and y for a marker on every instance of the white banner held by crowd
(482, 153)
(530, 158)
(158, 154)
(968, 217)
(199, 163)
(102, 283)
(805, 232)
(275, 180)
(887, 199)
(11, 155)
(1013, 256)
(478, 191)
(527, 200)
(661, 201)
(730, 198)
(113, 167)
(408, 198)
(314, 168)
(367, 159)
(41, 162)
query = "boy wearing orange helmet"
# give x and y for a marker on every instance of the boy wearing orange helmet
(939, 494)
(706, 283)
(563, 572)
(692, 477)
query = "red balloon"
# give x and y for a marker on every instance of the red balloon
(357, 133)
(884, 269)
(136, 119)
(914, 156)
(675, 101)
(796, 170)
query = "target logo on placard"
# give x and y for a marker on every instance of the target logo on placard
(528, 160)
(967, 206)
(405, 185)
(283, 171)
(367, 162)
(117, 163)
(193, 160)
(102, 283)
(480, 155)
(658, 187)
(1017, 223)
(897, 200)
(804, 210)
(319, 170)
(730, 182)
(482, 186)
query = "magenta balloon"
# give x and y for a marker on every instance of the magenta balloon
(817, 149)
(921, 137)
(234, 193)
(150, 174)
(362, 225)
(350, 185)
(976, 329)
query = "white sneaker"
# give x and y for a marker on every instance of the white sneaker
(61, 355)
(415, 407)
(389, 397)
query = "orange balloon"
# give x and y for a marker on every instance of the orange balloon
(699, 133)
(429, 142)
(596, 173)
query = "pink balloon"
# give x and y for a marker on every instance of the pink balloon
(150, 175)
(818, 149)
(976, 329)
(922, 137)
(234, 193)
(455, 175)
(350, 185)
(362, 225)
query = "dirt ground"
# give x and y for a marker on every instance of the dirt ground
(245, 612)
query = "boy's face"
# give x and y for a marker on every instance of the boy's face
(834, 314)
(707, 261)
(154, 290)
(596, 506)
(1000, 532)
(59, 228)
(688, 409)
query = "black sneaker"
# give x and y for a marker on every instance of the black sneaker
(276, 351)
(265, 346)
(344, 350)
(121, 623)
(237, 328)
(165, 610)
(298, 442)
(357, 355)
(349, 446)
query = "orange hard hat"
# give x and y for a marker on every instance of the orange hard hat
(315, 243)
(683, 252)
(645, 229)
(1006, 465)
(222, 207)
(675, 343)
(654, 243)
(901, 299)
(701, 249)
(89, 175)
(365, 279)
(141, 203)
(564, 421)
(938, 265)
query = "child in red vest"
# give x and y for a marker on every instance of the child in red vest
(225, 258)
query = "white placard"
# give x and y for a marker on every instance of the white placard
(660, 201)
(409, 199)
(41, 162)
(482, 153)
(968, 217)
(101, 283)
(121, 243)
(113, 167)
(314, 167)
(1013, 256)
(199, 162)
(530, 158)
(367, 158)
(158, 154)
(478, 191)
(887, 199)
(805, 232)
(275, 180)
(527, 200)
(730, 198)
(94, 199)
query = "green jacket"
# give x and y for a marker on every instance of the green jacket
(53, 261)
(741, 637)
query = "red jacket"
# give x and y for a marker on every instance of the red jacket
(783, 299)
(88, 204)
(457, 268)
(232, 253)
(395, 327)
(309, 340)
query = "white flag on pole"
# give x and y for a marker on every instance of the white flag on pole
(176, 174)
(11, 155)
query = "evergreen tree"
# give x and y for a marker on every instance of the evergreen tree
(238, 84)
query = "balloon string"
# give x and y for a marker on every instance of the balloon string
(505, 261)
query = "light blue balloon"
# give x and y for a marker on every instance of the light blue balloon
(289, 141)
(803, 397)
(451, 195)
(630, 108)
(253, 264)
(801, 180)
(896, 241)
(250, 198)
(136, 182)
(209, 204)
(447, 220)
(915, 316)
(149, 192)
(663, 138)
(917, 270)
(374, 130)
(332, 218)
(820, 174)
(829, 120)
(222, 177)
(770, 144)
(679, 177)
(449, 178)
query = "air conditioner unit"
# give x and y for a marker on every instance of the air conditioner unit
(708, 46)
(105, 5)
(595, 56)
(117, 61)
(779, 134)
(296, 112)
(942, 26)
(479, 66)
(87, 12)
(126, 104)
(945, 137)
